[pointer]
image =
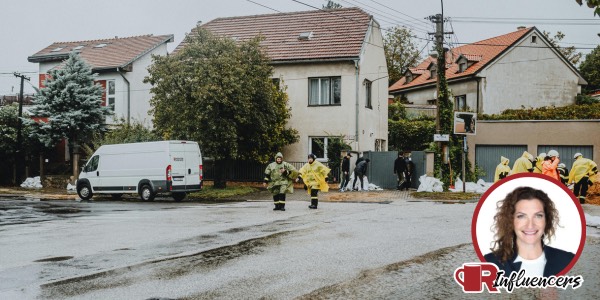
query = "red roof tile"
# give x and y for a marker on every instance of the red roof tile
(337, 33)
(481, 53)
(118, 52)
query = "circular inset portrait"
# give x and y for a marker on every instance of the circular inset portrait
(529, 222)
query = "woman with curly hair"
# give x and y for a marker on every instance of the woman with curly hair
(525, 219)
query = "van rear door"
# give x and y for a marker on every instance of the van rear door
(192, 166)
(178, 169)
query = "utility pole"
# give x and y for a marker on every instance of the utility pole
(438, 19)
(19, 157)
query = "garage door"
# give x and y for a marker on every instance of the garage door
(566, 152)
(487, 157)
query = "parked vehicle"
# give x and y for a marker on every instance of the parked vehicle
(147, 169)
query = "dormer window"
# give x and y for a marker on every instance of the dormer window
(78, 47)
(433, 71)
(305, 36)
(462, 66)
(534, 39)
(408, 77)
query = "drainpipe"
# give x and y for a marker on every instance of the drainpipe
(478, 80)
(128, 95)
(357, 103)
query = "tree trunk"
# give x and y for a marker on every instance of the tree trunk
(74, 161)
(42, 167)
(220, 182)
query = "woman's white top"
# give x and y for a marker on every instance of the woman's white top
(533, 267)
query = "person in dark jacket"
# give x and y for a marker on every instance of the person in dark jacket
(525, 218)
(408, 174)
(359, 172)
(345, 172)
(399, 170)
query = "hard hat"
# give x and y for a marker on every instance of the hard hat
(543, 154)
(553, 153)
(577, 155)
(561, 165)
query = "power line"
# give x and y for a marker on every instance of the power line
(529, 22)
(401, 13)
(416, 27)
(525, 19)
(519, 46)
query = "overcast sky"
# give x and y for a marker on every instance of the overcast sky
(27, 26)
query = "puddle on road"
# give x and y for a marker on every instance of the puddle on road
(51, 259)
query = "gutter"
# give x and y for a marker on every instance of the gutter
(128, 95)
(313, 60)
(478, 91)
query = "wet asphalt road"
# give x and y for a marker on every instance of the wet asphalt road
(398, 249)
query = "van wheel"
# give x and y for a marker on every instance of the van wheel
(116, 196)
(84, 191)
(178, 196)
(146, 193)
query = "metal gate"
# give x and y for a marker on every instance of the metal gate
(487, 157)
(380, 170)
(566, 152)
(420, 161)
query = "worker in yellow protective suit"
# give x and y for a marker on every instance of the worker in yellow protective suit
(523, 164)
(502, 170)
(314, 175)
(539, 162)
(581, 172)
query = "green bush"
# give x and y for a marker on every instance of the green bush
(410, 135)
(571, 112)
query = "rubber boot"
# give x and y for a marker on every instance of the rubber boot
(282, 206)
(313, 203)
(276, 200)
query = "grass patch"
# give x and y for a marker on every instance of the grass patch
(446, 196)
(209, 192)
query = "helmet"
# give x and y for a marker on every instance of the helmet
(561, 165)
(577, 155)
(543, 154)
(314, 157)
(553, 153)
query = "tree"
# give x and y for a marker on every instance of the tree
(569, 52)
(72, 104)
(400, 52)
(332, 5)
(592, 4)
(134, 132)
(590, 69)
(220, 93)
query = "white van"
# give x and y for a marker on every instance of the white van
(143, 168)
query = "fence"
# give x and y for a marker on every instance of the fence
(251, 171)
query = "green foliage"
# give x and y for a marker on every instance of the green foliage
(72, 103)
(571, 112)
(332, 5)
(400, 52)
(210, 193)
(585, 99)
(396, 111)
(590, 69)
(8, 130)
(335, 146)
(569, 52)
(410, 135)
(595, 4)
(219, 92)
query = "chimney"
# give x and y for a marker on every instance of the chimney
(521, 27)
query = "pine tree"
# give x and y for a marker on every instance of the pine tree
(72, 104)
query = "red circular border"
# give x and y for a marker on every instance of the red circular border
(536, 175)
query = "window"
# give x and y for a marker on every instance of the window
(534, 39)
(78, 47)
(431, 102)
(379, 145)
(92, 165)
(110, 93)
(100, 45)
(433, 71)
(318, 146)
(276, 82)
(460, 103)
(409, 78)
(57, 49)
(324, 91)
(368, 90)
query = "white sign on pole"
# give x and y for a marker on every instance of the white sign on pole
(441, 137)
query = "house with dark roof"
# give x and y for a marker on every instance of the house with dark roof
(514, 70)
(332, 65)
(121, 65)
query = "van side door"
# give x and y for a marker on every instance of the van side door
(192, 166)
(178, 169)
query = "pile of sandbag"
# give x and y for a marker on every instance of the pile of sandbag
(471, 187)
(430, 184)
(70, 187)
(32, 183)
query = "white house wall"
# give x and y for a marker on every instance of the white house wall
(529, 75)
